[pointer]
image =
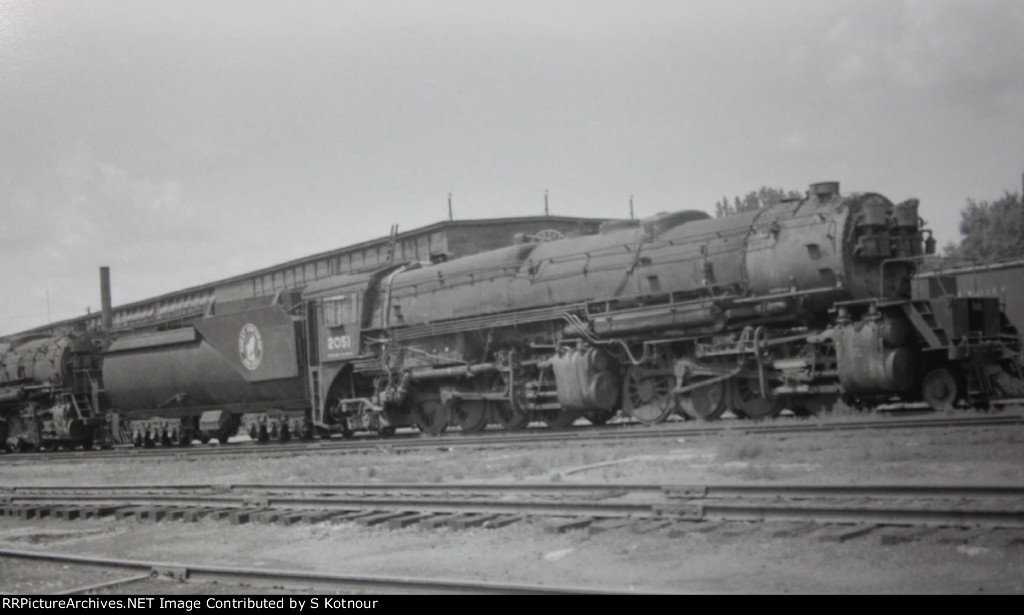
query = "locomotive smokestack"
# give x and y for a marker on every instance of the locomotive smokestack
(108, 313)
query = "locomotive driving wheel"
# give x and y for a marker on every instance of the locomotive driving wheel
(647, 391)
(705, 403)
(748, 403)
(470, 415)
(432, 416)
(511, 416)
(939, 388)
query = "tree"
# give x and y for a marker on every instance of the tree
(991, 231)
(765, 197)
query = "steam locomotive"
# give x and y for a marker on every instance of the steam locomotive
(796, 306)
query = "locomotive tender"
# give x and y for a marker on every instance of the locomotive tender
(793, 306)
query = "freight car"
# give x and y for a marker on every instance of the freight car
(793, 306)
(1003, 280)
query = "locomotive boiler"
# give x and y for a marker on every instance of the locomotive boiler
(795, 305)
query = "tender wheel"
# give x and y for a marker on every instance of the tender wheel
(510, 416)
(384, 432)
(939, 389)
(647, 392)
(558, 419)
(432, 417)
(223, 438)
(748, 403)
(706, 403)
(470, 415)
(286, 433)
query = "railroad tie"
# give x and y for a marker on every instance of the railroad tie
(439, 520)
(958, 536)
(352, 515)
(560, 526)
(221, 513)
(383, 517)
(314, 516)
(645, 527)
(174, 514)
(899, 535)
(31, 511)
(129, 511)
(290, 517)
(502, 521)
(268, 516)
(67, 513)
(191, 515)
(471, 521)
(702, 527)
(842, 533)
(402, 522)
(608, 525)
(794, 529)
(243, 515)
(153, 514)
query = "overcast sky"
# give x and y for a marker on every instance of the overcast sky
(185, 142)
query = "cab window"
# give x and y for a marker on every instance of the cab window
(341, 310)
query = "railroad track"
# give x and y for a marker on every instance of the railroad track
(610, 433)
(560, 507)
(140, 572)
(896, 513)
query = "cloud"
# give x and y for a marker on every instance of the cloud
(945, 52)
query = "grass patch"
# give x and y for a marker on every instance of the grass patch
(739, 449)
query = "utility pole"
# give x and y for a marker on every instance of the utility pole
(631, 216)
(546, 203)
(450, 216)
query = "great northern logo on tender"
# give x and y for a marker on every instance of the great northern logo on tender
(250, 347)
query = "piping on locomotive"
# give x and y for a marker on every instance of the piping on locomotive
(793, 306)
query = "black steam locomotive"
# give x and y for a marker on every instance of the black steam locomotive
(792, 306)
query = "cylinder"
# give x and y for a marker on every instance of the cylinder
(867, 364)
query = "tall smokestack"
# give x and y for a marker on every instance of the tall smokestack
(108, 312)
